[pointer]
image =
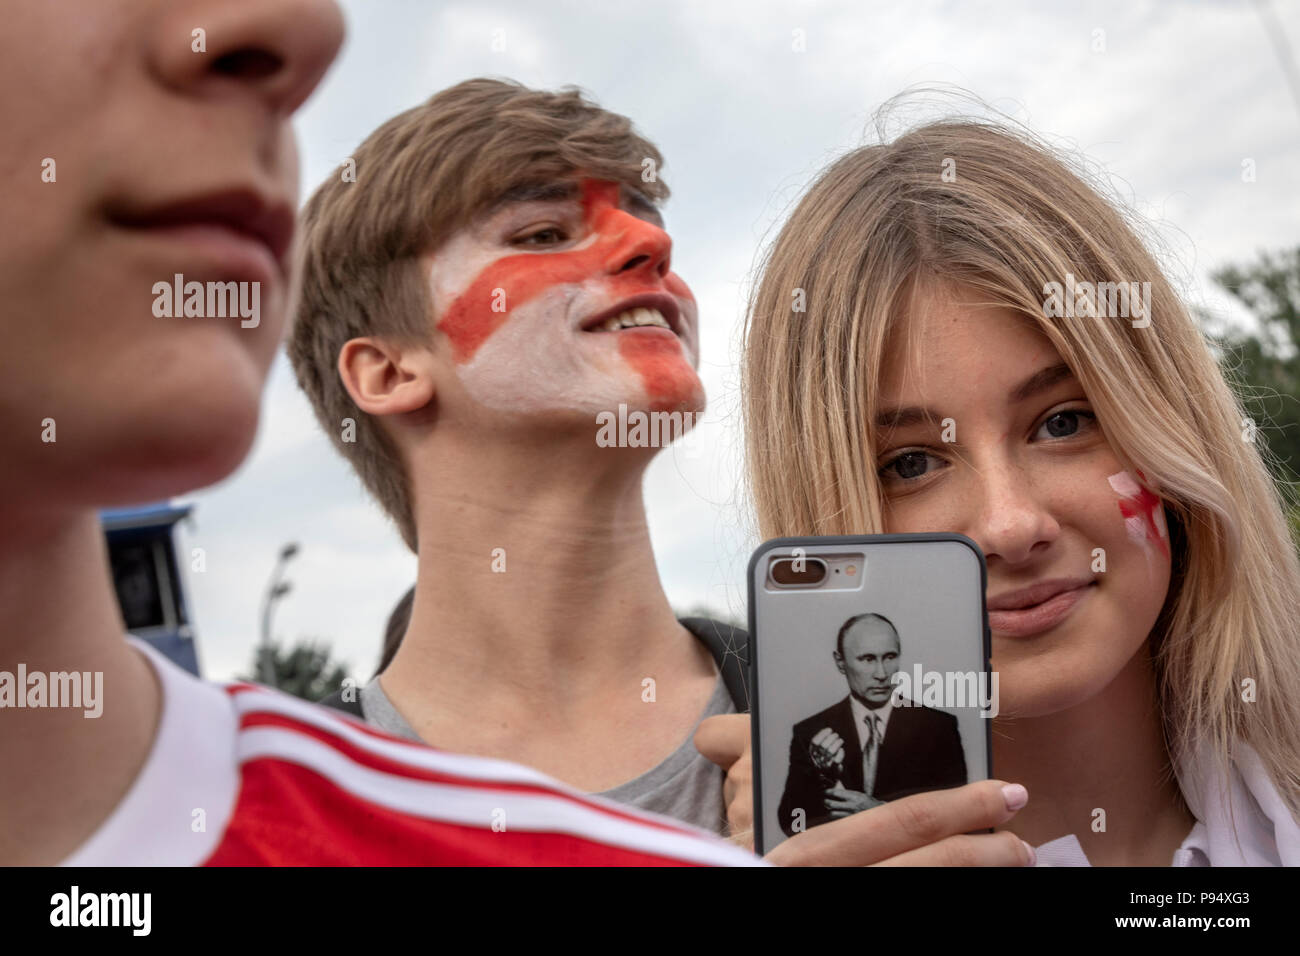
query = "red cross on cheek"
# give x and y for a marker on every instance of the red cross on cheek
(1142, 505)
(620, 238)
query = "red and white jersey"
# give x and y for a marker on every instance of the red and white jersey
(244, 775)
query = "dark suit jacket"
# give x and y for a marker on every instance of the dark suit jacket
(921, 751)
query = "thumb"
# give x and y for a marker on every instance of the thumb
(723, 739)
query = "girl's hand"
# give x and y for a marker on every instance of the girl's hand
(925, 829)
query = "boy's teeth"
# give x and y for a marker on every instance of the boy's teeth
(633, 318)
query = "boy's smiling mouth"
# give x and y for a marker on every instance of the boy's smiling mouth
(651, 311)
(633, 319)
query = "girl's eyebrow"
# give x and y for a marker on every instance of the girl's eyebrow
(893, 418)
(1040, 381)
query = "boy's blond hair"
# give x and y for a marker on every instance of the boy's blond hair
(419, 178)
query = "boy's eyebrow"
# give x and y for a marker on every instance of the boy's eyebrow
(644, 204)
(567, 190)
(1040, 381)
(553, 191)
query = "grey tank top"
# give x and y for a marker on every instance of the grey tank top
(685, 786)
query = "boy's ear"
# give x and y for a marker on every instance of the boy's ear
(387, 379)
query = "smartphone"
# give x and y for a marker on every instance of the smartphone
(869, 674)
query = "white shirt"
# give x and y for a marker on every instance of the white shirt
(861, 716)
(1265, 833)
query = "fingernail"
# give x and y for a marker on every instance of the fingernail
(1015, 795)
(1033, 857)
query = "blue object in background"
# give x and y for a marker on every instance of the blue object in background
(142, 550)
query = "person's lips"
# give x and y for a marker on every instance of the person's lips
(1038, 608)
(238, 232)
(639, 313)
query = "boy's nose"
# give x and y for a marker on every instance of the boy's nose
(635, 245)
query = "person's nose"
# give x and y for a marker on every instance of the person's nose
(1011, 521)
(636, 246)
(275, 50)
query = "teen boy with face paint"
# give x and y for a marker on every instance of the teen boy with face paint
(465, 321)
(167, 159)
(475, 329)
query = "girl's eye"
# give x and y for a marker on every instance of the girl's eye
(908, 466)
(542, 237)
(1063, 424)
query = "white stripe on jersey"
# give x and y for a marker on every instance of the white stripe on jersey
(474, 806)
(407, 752)
(484, 769)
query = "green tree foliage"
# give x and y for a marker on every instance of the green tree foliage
(1265, 362)
(304, 669)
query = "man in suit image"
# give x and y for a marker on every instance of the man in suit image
(867, 748)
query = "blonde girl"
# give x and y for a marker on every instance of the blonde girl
(956, 332)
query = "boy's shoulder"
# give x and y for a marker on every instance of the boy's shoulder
(244, 775)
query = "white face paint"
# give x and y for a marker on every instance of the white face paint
(1144, 518)
(520, 312)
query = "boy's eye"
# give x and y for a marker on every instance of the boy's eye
(548, 236)
(908, 466)
(1063, 424)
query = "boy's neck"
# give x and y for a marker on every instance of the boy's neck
(538, 567)
(538, 602)
(60, 614)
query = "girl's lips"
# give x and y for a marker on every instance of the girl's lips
(1029, 621)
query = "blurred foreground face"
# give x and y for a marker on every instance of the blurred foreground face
(1030, 476)
(145, 139)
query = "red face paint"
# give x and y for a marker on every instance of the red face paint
(1139, 508)
(620, 238)
(669, 381)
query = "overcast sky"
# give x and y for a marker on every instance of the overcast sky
(1167, 98)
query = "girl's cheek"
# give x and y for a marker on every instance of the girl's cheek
(1142, 512)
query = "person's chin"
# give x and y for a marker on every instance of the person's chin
(683, 394)
(1039, 689)
(180, 443)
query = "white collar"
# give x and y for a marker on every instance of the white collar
(1246, 821)
(861, 711)
(191, 767)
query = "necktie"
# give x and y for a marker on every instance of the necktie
(869, 753)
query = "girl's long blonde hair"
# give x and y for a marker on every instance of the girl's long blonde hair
(984, 207)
